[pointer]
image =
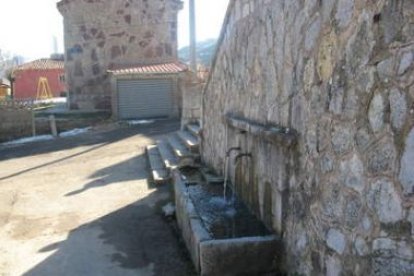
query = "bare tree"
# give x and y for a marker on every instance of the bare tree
(7, 63)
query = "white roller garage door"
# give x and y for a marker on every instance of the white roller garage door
(138, 99)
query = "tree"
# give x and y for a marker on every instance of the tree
(7, 63)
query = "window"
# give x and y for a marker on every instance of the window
(62, 78)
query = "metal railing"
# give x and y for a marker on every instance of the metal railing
(21, 104)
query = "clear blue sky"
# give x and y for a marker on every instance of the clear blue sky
(28, 26)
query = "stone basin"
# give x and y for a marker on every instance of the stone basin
(223, 237)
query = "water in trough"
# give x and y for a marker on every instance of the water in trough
(222, 218)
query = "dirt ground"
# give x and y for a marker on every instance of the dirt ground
(83, 206)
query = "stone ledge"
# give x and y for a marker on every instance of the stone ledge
(250, 255)
(231, 256)
(273, 133)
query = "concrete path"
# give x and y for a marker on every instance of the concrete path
(83, 206)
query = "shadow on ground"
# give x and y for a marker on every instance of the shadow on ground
(100, 140)
(118, 173)
(133, 240)
(140, 241)
(88, 139)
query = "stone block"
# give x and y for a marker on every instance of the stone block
(352, 173)
(333, 266)
(390, 266)
(384, 200)
(342, 138)
(326, 54)
(384, 244)
(389, 247)
(366, 224)
(365, 80)
(352, 212)
(398, 106)
(198, 235)
(411, 220)
(336, 240)
(376, 113)
(361, 246)
(406, 175)
(362, 138)
(337, 99)
(313, 33)
(326, 163)
(236, 256)
(385, 69)
(381, 158)
(332, 201)
(405, 62)
(344, 12)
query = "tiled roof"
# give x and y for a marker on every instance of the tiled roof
(4, 82)
(41, 64)
(164, 68)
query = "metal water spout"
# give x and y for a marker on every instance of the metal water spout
(236, 160)
(241, 155)
(228, 152)
(226, 168)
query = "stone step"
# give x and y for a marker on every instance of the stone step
(184, 156)
(170, 160)
(210, 177)
(194, 128)
(158, 171)
(189, 140)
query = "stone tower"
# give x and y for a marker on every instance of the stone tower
(102, 34)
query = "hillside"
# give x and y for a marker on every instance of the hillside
(205, 52)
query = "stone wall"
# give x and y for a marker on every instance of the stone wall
(14, 123)
(191, 87)
(103, 34)
(340, 73)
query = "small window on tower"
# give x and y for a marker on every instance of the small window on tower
(62, 78)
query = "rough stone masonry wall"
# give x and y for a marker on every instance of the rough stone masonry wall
(14, 123)
(100, 34)
(341, 73)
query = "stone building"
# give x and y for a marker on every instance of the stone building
(337, 76)
(106, 34)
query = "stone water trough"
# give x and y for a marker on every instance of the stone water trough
(222, 236)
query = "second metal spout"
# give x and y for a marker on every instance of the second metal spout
(241, 155)
(232, 149)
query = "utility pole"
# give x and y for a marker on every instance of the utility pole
(193, 38)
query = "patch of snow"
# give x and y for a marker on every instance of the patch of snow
(231, 212)
(218, 202)
(140, 122)
(74, 132)
(168, 210)
(52, 100)
(29, 140)
(39, 138)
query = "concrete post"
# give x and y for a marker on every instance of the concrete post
(193, 38)
(33, 122)
(53, 125)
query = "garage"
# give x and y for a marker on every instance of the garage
(148, 91)
(146, 98)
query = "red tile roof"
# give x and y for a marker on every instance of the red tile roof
(164, 68)
(41, 64)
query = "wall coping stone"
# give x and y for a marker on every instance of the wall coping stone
(271, 132)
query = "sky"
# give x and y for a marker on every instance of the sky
(28, 27)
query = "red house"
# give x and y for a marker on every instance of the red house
(26, 78)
